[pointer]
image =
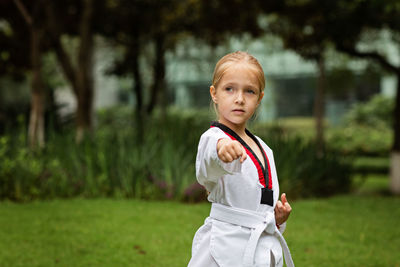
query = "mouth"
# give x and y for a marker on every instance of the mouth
(238, 110)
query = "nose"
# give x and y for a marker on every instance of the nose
(239, 98)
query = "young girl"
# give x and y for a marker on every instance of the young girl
(247, 220)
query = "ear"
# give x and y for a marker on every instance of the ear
(213, 93)
(260, 97)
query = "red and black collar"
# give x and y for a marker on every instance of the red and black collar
(263, 174)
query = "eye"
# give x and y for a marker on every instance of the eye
(251, 91)
(229, 89)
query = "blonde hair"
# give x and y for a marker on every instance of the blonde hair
(238, 57)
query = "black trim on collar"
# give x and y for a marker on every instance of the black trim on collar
(267, 196)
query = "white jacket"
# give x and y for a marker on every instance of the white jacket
(239, 186)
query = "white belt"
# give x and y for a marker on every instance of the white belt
(257, 223)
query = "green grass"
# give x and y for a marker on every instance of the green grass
(352, 230)
(346, 231)
(100, 232)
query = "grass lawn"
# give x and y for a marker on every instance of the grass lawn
(353, 230)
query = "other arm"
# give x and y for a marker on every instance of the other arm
(282, 212)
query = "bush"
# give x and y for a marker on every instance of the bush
(376, 113)
(114, 163)
(17, 173)
(367, 130)
(302, 173)
(360, 140)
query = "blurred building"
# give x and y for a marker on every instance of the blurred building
(290, 80)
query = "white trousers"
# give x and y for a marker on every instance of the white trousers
(205, 254)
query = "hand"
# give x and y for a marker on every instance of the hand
(228, 150)
(282, 210)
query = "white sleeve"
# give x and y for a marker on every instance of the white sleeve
(282, 227)
(209, 167)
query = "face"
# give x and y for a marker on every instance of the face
(237, 95)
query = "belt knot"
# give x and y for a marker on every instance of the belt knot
(269, 223)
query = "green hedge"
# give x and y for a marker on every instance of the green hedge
(360, 140)
(302, 172)
(113, 163)
(367, 130)
(376, 112)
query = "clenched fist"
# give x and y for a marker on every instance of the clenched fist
(282, 210)
(228, 150)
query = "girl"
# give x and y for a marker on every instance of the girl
(247, 220)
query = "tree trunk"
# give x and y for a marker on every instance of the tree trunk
(159, 73)
(319, 107)
(138, 91)
(395, 154)
(84, 75)
(80, 76)
(36, 120)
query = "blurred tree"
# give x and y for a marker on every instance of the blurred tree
(217, 21)
(302, 27)
(362, 28)
(162, 24)
(36, 120)
(75, 17)
(353, 27)
(136, 25)
(22, 37)
(14, 58)
(14, 39)
(49, 22)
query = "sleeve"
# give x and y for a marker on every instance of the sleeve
(282, 227)
(209, 167)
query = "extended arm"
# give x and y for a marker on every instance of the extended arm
(216, 157)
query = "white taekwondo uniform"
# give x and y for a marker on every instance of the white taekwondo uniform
(241, 229)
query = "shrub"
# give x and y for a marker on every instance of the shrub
(112, 163)
(360, 140)
(376, 113)
(367, 130)
(302, 173)
(161, 166)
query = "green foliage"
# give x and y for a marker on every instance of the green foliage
(115, 163)
(367, 130)
(303, 173)
(112, 163)
(360, 140)
(303, 127)
(17, 173)
(371, 165)
(376, 113)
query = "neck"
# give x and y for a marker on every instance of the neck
(239, 129)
